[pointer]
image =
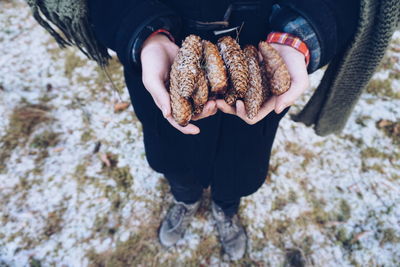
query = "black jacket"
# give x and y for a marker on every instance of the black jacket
(118, 23)
(228, 153)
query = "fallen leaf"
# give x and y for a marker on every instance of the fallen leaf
(105, 160)
(58, 149)
(384, 123)
(358, 236)
(120, 106)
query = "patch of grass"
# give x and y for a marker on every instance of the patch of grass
(141, 248)
(344, 211)
(298, 150)
(391, 130)
(279, 203)
(390, 236)
(54, 222)
(23, 121)
(382, 88)
(372, 152)
(87, 136)
(292, 196)
(207, 248)
(72, 61)
(34, 262)
(388, 63)
(343, 238)
(45, 140)
(361, 120)
(121, 175)
(319, 215)
(114, 69)
(357, 141)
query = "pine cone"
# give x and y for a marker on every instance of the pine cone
(215, 68)
(265, 82)
(188, 64)
(278, 74)
(236, 63)
(254, 95)
(200, 96)
(230, 97)
(180, 106)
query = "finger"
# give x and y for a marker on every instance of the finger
(188, 129)
(299, 78)
(224, 107)
(241, 112)
(209, 109)
(265, 109)
(297, 88)
(159, 93)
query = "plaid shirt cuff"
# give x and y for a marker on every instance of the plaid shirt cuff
(290, 40)
(299, 27)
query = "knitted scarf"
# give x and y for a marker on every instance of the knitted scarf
(348, 73)
(333, 101)
(70, 18)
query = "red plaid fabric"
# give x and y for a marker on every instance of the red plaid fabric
(165, 32)
(291, 40)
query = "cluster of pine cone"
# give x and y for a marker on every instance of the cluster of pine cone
(203, 70)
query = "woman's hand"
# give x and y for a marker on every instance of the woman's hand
(157, 55)
(295, 62)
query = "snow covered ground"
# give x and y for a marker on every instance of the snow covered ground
(76, 190)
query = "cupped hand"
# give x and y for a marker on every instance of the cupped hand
(157, 56)
(297, 68)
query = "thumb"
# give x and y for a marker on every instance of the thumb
(159, 93)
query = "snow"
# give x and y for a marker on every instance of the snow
(324, 171)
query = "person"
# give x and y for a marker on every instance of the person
(221, 148)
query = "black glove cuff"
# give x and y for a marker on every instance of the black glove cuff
(171, 24)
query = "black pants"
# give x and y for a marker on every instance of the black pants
(185, 188)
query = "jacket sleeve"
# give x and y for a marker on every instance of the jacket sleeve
(333, 21)
(122, 25)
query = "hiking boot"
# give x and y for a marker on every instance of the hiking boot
(231, 233)
(176, 221)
